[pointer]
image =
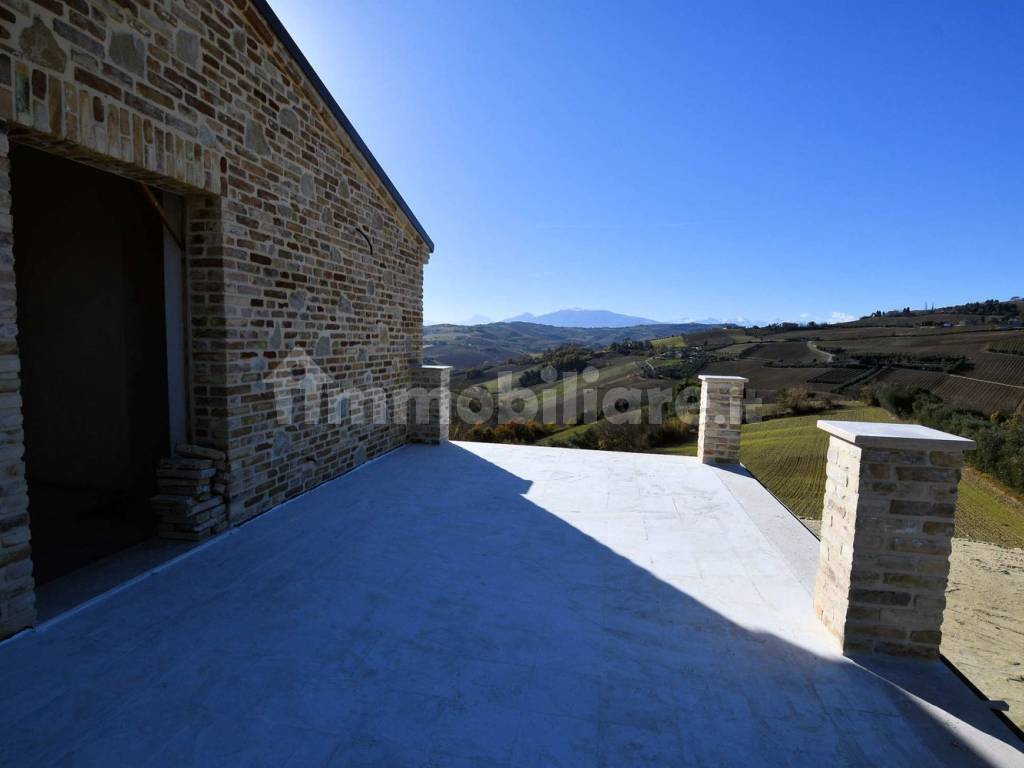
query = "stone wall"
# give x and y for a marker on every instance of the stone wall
(721, 419)
(886, 536)
(430, 404)
(294, 241)
(17, 598)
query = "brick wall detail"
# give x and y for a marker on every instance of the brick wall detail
(430, 404)
(293, 241)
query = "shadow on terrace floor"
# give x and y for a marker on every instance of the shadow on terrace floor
(422, 612)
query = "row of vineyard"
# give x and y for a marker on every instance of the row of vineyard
(981, 396)
(1014, 347)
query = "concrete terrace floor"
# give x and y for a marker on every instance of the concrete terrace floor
(486, 605)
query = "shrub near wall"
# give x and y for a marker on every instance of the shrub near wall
(1000, 443)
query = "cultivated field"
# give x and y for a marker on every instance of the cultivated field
(788, 456)
(989, 379)
(965, 366)
(1008, 347)
(765, 381)
(834, 377)
(960, 391)
(978, 365)
(718, 337)
(668, 342)
(787, 352)
(982, 363)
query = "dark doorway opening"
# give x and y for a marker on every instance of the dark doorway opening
(89, 269)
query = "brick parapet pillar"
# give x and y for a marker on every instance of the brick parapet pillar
(886, 535)
(430, 404)
(721, 418)
(17, 588)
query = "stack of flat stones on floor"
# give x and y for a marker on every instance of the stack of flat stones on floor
(190, 503)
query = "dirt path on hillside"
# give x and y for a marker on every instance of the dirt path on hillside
(829, 357)
(983, 630)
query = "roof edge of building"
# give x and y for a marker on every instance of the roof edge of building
(263, 6)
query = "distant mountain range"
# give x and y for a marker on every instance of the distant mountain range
(576, 317)
(583, 318)
(745, 322)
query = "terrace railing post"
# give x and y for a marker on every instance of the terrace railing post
(429, 404)
(886, 535)
(721, 418)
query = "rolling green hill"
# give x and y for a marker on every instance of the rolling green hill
(466, 346)
(967, 355)
(788, 456)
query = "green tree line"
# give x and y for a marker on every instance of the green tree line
(1000, 442)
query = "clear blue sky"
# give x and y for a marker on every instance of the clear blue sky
(672, 160)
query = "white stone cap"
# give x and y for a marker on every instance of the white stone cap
(713, 377)
(913, 436)
(435, 367)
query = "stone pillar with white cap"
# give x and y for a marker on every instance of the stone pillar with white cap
(721, 418)
(886, 535)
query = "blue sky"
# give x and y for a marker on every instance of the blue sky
(679, 160)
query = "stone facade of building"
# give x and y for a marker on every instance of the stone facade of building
(294, 238)
(430, 404)
(17, 597)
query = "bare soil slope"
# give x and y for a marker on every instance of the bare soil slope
(983, 631)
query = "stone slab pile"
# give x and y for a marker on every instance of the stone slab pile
(191, 489)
